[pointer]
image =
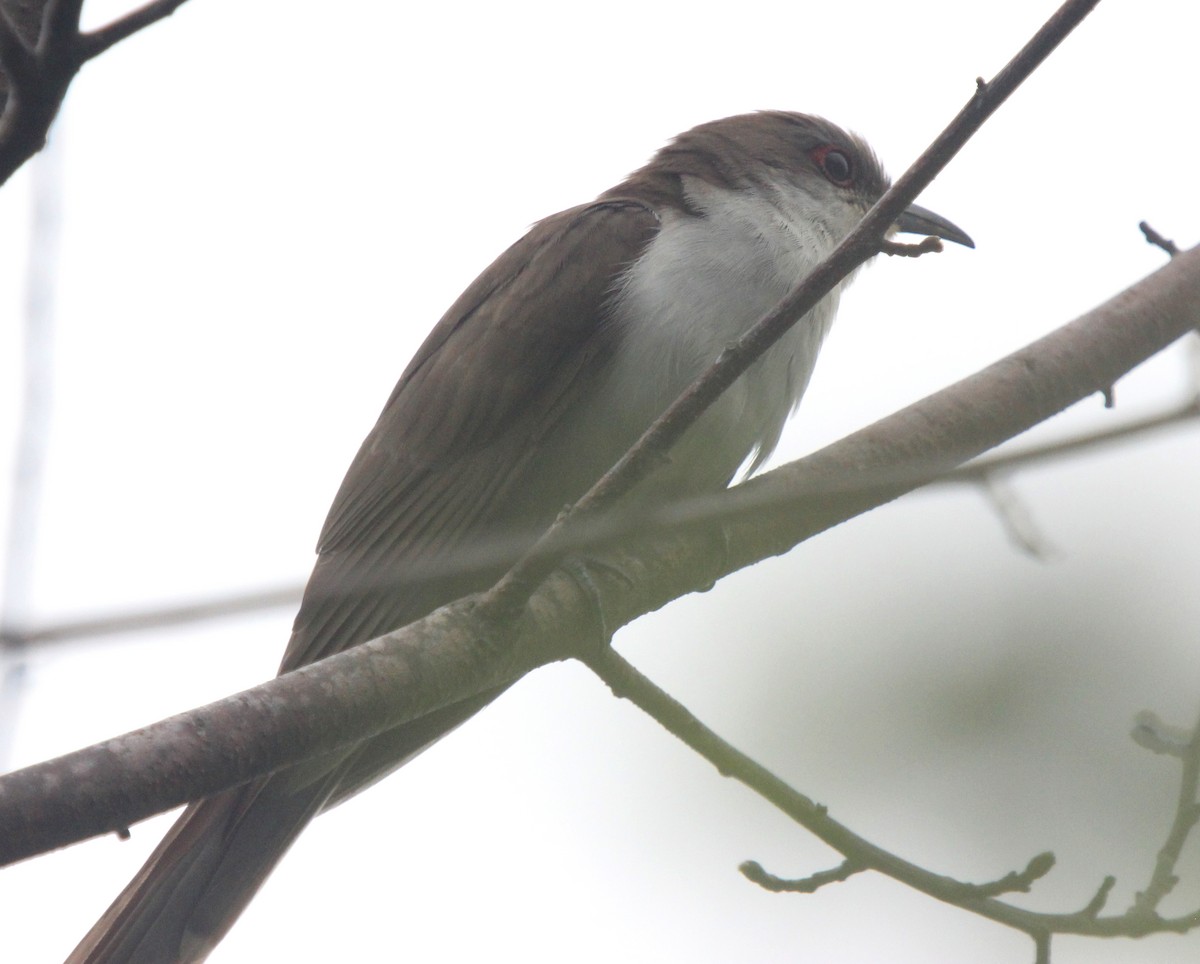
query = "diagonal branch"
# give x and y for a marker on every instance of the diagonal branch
(455, 652)
(981, 469)
(863, 242)
(154, 618)
(96, 42)
(626, 682)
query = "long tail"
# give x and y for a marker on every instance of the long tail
(203, 874)
(218, 853)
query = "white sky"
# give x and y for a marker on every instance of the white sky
(265, 209)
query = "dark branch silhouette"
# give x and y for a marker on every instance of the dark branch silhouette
(41, 51)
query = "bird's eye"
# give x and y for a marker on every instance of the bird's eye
(835, 164)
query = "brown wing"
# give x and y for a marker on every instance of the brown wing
(448, 460)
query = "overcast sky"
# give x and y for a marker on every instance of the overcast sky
(265, 208)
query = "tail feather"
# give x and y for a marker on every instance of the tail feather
(218, 853)
(200, 878)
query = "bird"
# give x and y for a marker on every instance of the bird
(534, 382)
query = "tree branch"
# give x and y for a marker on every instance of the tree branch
(978, 471)
(1187, 813)
(1156, 239)
(930, 438)
(39, 73)
(753, 871)
(864, 241)
(157, 617)
(1140, 920)
(96, 42)
(455, 653)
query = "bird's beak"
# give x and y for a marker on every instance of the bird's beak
(919, 220)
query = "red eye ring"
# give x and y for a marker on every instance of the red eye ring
(834, 163)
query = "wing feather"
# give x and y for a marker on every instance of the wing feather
(440, 468)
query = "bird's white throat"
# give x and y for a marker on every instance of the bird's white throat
(701, 284)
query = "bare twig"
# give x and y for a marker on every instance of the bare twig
(97, 41)
(1156, 239)
(1015, 881)
(753, 871)
(1187, 813)
(1100, 898)
(1157, 737)
(1015, 517)
(1012, 882)
(990, 473)
(626, 682)
(142, 620)
(980, 469)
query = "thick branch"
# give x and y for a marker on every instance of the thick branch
(930, 438)
(348, 697)
(453, 653)
(978, 471)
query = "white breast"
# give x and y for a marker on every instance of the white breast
(701, 284)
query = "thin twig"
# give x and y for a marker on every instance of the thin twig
(753, 871)
(160, 617)
(1015, 881)
(95, 42)
(1156, 239)
(1015, 518)
(1099, 899)
(1187, 813)
(974, 472)
(628, 683)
